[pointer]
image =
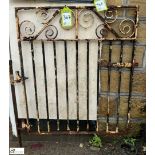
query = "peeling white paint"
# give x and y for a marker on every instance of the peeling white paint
(61, 75)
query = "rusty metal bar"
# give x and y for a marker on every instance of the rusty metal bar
(119, 86)
(45, 80)
(108, 91)
(66, 68)
(76, 25)
(136, 20)
(118, 65)
(130, 84)
(78, 39)
(98, 78)
(17, 24)
(77, 76)
(56, 84)
(65, 132)
(77, 85)
(87, 85)
(77, 7)
(132, 69)
(35, 85)
(98, 73)
(13, 94)
(23, 82)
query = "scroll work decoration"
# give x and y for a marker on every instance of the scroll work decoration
(42, 16)
(127, 27)
(27, 29)
(51, 32)
(86, 19)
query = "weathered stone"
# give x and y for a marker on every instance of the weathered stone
(103, 106)
(139, 82)
(138, 108)
(101, 125)
(104, 79)
(115, 53)
(114, 2)
(125, 78)
(139, 55)
(122, 125)
(127, 53)
(123, 108)
(113, 81)
(133, 129)
(141, 4)
(141, 35)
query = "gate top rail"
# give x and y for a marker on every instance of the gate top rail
(117, 23)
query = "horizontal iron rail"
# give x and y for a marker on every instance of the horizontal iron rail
(94, 39)
(78, 7)
(75, 133)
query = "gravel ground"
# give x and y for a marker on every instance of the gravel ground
(72, 145)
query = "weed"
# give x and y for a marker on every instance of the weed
(95, 141)
(131, 142)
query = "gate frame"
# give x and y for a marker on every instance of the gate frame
(22, 78)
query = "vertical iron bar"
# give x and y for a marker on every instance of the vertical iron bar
(130, 83)
(23, 82)
(77, 78)
(119, 85)
(45, 79)
(87, 84)
(56, 84)
(77, 85)
(17, 24)
(98, 76)
(136, 20)
(35, 85)
(109, 79)
(98, 67)
(66, 68)
(132, 67)
(13, 94)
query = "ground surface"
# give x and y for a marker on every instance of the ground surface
(73, 145)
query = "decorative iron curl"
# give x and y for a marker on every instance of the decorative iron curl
(111, 16)
(51, 32)
(42, 15)
(125, 27)
(86, 18)
(101, 31)
(27, 29)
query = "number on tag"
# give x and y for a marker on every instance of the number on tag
(100, 5)
(66, 19)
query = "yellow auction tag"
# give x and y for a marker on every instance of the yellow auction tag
(100, 5)
(66, 17)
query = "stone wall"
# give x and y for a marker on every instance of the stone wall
(139, 87)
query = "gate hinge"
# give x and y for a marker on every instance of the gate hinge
(18, 78)
(105, 63)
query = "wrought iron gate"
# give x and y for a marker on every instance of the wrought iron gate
(70, 62)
